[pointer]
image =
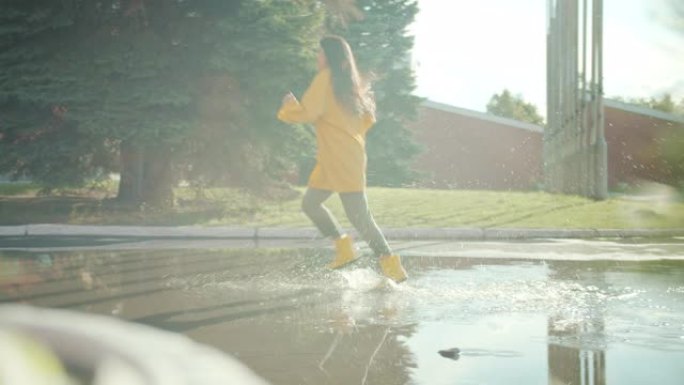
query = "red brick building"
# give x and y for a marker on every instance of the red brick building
(474, 150)
(635, 137)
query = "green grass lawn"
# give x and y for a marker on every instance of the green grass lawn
(401, 207)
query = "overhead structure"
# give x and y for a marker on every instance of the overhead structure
(575, 151)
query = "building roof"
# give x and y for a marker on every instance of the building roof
(611, 103)
(641, 110)
(483, 116)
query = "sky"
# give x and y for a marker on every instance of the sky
(465, 51)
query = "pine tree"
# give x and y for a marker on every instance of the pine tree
(382, 47)
(143, 79)
(114, 72)
(35, 138)
(275, 43)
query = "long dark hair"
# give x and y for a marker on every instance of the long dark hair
(351, 90)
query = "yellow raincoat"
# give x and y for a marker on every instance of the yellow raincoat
(340, 136)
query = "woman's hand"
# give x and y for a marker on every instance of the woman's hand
(288, 98)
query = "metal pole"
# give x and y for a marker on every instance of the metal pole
(564, 177)
(602, 150)
(574, 144)
(582, 118)
(551, 132)
(574, 164)
(583, 85)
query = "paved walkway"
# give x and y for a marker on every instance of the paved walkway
(265, 233)
(462, 242)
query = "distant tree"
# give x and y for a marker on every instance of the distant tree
(664, 103)
(512, 106)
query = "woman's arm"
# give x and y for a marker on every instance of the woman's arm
(312, 104)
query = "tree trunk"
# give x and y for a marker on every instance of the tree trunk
(130, 184)
(146, 176)
(157, 183)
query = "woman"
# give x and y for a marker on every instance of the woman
(341, 107)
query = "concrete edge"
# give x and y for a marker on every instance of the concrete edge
(512, 233)
(13, 231)
(140, 231)
(285, 233)
(416, 233)
(435, 233)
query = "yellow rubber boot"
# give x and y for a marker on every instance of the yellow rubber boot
(392, 268)
(345, 252)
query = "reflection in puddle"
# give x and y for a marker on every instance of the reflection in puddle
(293, 321)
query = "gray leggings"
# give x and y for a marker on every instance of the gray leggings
(356, 207)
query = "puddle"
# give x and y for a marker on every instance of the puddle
(586, 320)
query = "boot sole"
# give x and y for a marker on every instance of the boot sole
(345, 264)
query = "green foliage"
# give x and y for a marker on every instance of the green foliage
(198, 79)
(57, 153)
(111, 73)
(267, 46)
(382, 48)
(664, 103)
(515, 107)
(18, 189)
(118, 74)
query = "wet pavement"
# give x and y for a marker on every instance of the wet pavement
(542, 312)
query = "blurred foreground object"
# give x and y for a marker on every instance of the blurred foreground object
(40, 346)
(25, 361)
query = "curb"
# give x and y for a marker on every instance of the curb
(311, 233)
